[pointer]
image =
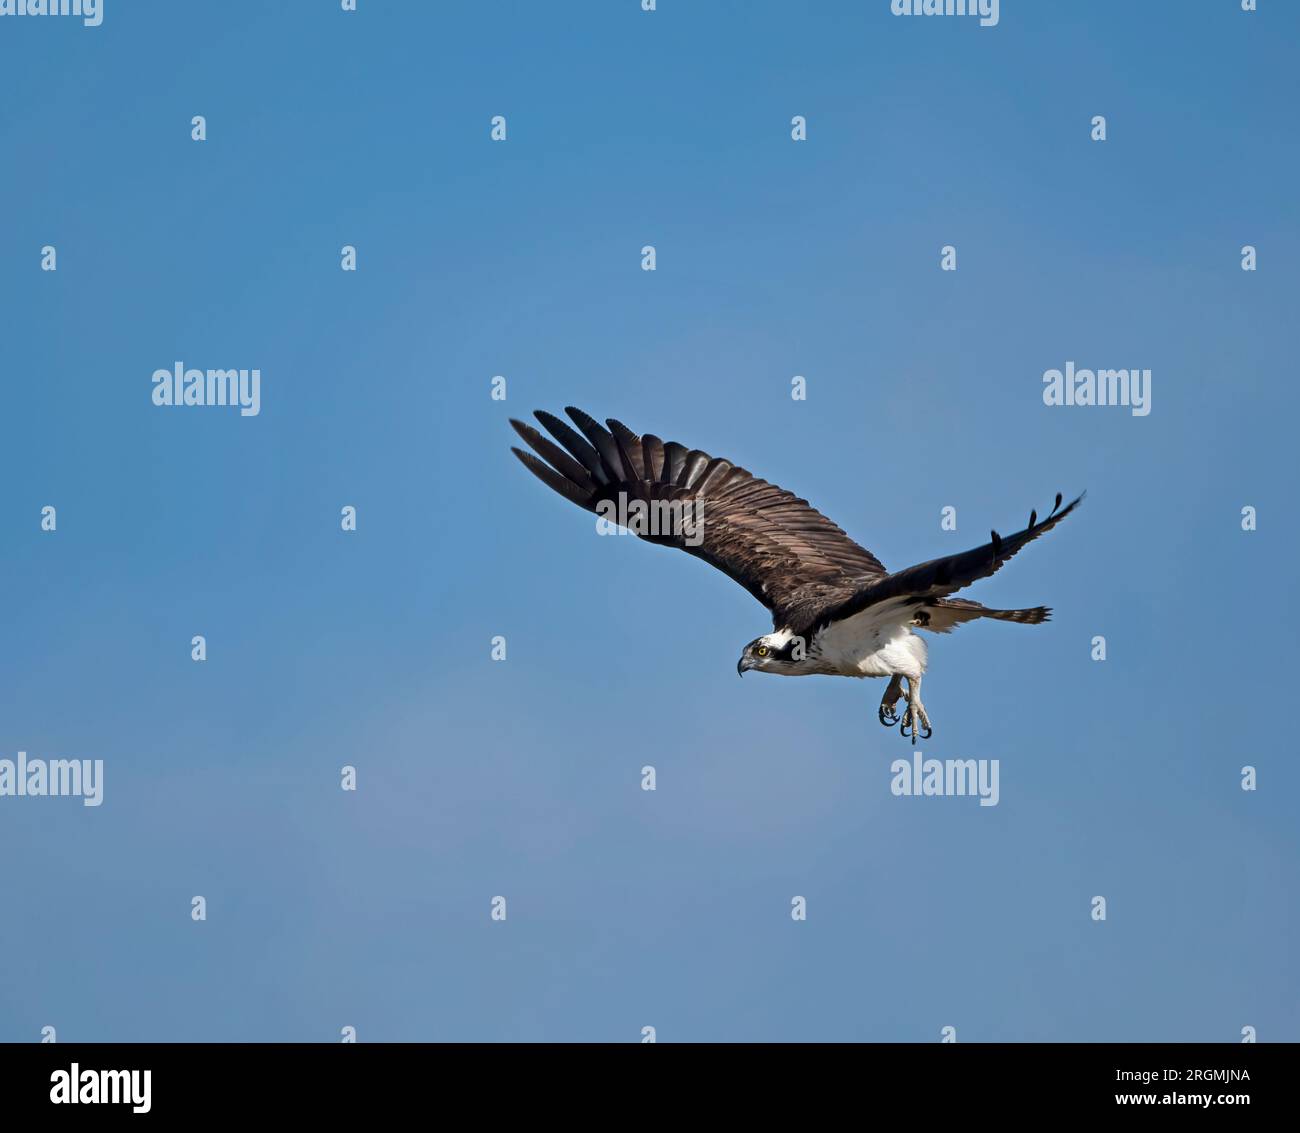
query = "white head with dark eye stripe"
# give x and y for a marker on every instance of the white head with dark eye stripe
(781, 652)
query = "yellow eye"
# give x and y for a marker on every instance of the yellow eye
(761, 650)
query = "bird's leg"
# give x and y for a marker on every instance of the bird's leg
(914, 716)
(888, 716)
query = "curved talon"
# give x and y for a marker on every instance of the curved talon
(929, 731)
(887, 716)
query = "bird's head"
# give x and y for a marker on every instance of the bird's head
(780, 652)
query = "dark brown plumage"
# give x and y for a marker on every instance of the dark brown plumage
(777, 546)
(788, 555)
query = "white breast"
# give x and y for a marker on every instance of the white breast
(875, 643)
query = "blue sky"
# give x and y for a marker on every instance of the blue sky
(476, 779)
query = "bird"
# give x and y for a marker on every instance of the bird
(835, 609)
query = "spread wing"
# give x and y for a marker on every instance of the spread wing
(778, 547)
(927, 583)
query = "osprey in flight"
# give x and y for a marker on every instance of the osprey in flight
(835, 609)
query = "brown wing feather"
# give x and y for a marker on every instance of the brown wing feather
(941, 577)
(778, 547)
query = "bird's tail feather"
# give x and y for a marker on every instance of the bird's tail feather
(943, 615)
(1033, 616)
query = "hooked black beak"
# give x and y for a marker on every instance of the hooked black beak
(741, 665)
